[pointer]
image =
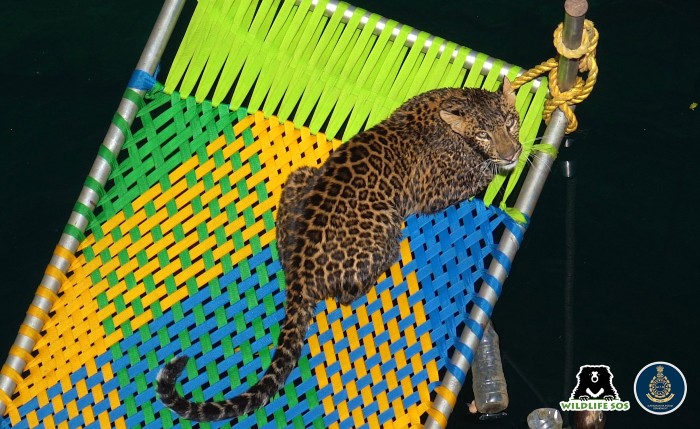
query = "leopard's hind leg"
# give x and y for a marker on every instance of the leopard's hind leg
(298, 184)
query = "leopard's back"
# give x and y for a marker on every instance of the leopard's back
(339, 225)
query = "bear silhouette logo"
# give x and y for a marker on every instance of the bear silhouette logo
(594, 382)
(594, 391)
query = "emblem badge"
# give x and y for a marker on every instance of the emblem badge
(660, 388)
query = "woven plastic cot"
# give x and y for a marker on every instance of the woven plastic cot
(179, 254)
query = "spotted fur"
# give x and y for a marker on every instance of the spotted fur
(338, 226)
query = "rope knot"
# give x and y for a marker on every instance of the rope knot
(563, 100)
(589, 41)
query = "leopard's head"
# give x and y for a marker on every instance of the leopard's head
(489, 123)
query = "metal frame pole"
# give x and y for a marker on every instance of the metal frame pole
(527, 199)
(569, 281)
(33, 323)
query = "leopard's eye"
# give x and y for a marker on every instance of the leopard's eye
(482, 135)
(510, 121)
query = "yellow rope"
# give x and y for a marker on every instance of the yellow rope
(563, 100)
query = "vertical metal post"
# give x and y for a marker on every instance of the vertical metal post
(571, 36)
(68, 244)
(569, 172)
(532, 187)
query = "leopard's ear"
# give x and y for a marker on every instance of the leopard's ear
(449, 112)
(456, 122)
(508, 91)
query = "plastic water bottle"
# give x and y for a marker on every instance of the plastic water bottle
(544, 418)
(489, 383)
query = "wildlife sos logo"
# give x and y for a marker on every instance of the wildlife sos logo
(594, 391)
(660, 388)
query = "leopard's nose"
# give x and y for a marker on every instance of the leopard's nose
(510, 154)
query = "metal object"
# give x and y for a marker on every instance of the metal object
(571, 36)
(569, 280)
(527, 199)
(567, 161)
(67, 245)
(568, 168)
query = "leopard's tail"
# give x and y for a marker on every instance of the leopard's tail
(299, 313)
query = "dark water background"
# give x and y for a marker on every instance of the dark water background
(635, 194)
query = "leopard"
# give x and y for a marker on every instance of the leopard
(339, 225)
